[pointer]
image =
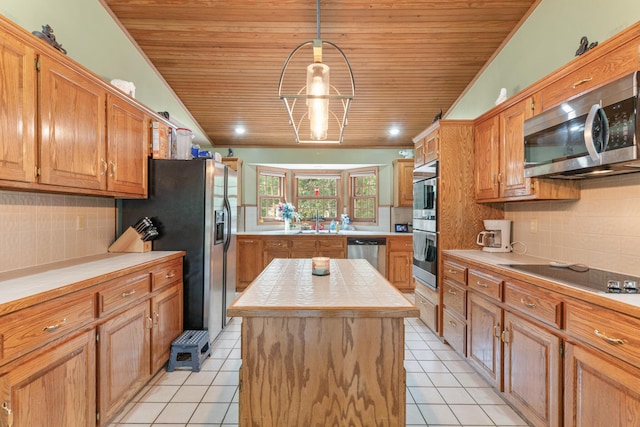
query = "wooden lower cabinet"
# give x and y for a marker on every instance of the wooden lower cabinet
(484, 347)
(124, 351)
(166, 312)
(599, 389)
(53, 387)
(400, 262)
(532, 371)
(248, 260)
(426, 300)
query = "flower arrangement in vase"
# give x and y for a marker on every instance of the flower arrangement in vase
(287, 212)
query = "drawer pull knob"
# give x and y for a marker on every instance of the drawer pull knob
(482, 285)
(452, 292)
(51, 328)
(581, 82)
(128, 294)
(9, 413)
(170, 276)
(527, 304)
(603, 336)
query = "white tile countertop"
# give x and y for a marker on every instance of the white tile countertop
(19, 284)
(499, 261)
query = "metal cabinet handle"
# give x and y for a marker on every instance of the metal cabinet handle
(128, 294)
(452, 271)
(482, 285)
(495, 179)
(581, 82)
(496, 332)
(500, 178)
(103, 171)
(603, 336)
(9, 413)
(51, 328)
(452, 292)
(113, 169)
(156, 318)
(452, 323)
(527, 304)
(170, 275)
(504, 336)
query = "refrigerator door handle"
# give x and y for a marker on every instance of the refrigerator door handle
(227, 208)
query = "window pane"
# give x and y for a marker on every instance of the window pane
(326, 208)
(364, 209)
(364, 186)
(270, 185)
(268, 206)
(327, 187)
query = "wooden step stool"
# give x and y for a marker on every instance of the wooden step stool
(189, 349)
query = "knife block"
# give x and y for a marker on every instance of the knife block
(130, 241)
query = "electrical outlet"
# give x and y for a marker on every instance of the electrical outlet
(81, 222)
(533, 227)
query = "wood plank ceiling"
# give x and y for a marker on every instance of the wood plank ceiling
(410, 58)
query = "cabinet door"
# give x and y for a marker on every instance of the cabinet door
(484, 347)
(55, 388)
(274, 248)
(72, 114)
(399, 270)
(486, 157)
(431, 146)
(532, 374)
(511, 177)
(403, 182)
(418, 153)
(18, 106)
(599, 390)
(127, 147)
(125, 359)
(248, 261)
(167, 324)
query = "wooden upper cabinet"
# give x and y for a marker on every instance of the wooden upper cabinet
(486, 156)
(431, 146)
(403, 182)
(127, 147)
(511, 176)
(418, 153)
(18, 106)
(72, 110)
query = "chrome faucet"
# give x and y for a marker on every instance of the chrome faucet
(317, 220)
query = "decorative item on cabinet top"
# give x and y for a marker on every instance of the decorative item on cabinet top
(47, 35)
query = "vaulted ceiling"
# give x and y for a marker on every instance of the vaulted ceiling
(410, 58)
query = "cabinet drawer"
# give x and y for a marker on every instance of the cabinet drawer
(617, 63)
(166, 274)
(612, 332)
(302, 243)
(332, 243)
(119, 292)
(454, 298)
(400, 245)
(485, 283)
(25, 330)
(454, 331)
(454, 272)
(428, 309)
(538, 303)
(275, 244)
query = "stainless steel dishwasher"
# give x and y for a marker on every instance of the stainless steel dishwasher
(371, 249)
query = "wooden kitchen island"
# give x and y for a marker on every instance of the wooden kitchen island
(322, 350)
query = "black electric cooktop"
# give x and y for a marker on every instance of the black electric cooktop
(591, 279)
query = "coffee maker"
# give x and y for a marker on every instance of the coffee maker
(496, 237)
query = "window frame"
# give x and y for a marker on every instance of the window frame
(303, 173)
(270, 171)
(351, 175)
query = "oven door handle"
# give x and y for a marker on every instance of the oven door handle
(595, 112)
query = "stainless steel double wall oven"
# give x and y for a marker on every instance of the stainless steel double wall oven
(425, 229)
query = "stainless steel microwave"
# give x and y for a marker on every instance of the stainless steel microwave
(594, 134)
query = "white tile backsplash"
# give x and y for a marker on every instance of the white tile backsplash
(38, 228)
(602, 229)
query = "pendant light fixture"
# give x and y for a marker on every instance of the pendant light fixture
(327, 94)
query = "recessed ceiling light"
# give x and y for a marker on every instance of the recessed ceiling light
(394, 131)
(239, 130)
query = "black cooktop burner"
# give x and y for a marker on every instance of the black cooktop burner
(592, 279)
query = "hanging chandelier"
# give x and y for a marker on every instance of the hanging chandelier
(328, 92)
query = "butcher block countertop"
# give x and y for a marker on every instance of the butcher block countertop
(286, 288)
(28, 286)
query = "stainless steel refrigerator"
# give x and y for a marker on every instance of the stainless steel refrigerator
(193, 203)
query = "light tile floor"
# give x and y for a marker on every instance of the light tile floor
(442, 390)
